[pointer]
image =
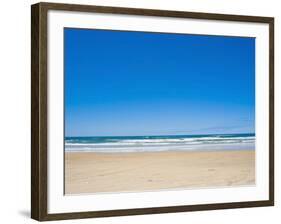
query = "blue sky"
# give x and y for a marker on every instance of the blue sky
(137, 83)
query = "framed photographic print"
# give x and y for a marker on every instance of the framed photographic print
(140, 111)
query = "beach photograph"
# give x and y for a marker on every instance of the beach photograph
(148, 111)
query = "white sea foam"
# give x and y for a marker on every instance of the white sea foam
(146, 144)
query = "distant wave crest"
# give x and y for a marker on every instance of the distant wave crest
(160, 143)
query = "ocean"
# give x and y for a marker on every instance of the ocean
(111, 144)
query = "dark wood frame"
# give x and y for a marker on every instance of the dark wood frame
(39, 110)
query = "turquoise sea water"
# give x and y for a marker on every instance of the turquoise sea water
(161, 143)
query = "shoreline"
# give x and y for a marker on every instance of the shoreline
(160, 151)
(96, 172)
(162, 148)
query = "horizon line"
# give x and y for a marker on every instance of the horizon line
(248, 133)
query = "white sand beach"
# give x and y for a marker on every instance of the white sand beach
(92, 172)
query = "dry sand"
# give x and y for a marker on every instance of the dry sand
(90, 172)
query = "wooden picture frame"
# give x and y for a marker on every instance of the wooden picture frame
(39, 110)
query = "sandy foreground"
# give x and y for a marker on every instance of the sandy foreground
(90, 172)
